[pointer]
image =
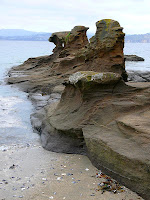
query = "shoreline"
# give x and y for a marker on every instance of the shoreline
(38, 118)
(31, 172)
(97, 108)
(38, 189)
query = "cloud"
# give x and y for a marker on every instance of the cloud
(51, 16)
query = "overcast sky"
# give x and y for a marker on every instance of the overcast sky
(61, 15)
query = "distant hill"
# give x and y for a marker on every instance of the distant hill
(141, 38)
(17, 32)
(20, 34)
(24, 35)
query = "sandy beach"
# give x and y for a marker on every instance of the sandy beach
(30, 172)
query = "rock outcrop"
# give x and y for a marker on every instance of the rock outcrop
(113, 119)
(133, 58)
(98, 113)
(73, 52)
(139, 76)
(58, 39)
(105, 51)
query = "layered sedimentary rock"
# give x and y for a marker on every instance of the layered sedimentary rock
(97, 111)
(113, 118)
(105, 51)
(138, 76)
(58, 38)
(73, 52)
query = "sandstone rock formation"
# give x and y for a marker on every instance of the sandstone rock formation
(106, 47)
(113, 118)
(98, 113)
(58, 39)
(74, 53)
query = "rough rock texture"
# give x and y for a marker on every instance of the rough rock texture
(73, 53)
(97, 111)
(138, 76)
(71, 40)
(58, 38)
(113, 117)
(106, 48)
(133, 58)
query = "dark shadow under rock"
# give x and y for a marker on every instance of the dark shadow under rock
(60, 142)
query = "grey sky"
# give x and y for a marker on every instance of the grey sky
(59, 15)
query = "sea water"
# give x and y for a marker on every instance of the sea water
(15, 108)
(139, 49)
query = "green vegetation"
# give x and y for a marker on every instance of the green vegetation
(67, 37)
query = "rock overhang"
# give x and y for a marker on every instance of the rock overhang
(94, 77)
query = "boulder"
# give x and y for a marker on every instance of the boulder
(112, 118)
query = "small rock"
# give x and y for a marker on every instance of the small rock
(44, 179)
(12, 167)
(69, 174)
(92, 194)
(74, 182)
(18, 179)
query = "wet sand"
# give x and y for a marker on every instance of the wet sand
(30, 172)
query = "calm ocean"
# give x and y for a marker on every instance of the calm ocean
(139, 49)
(15, 108)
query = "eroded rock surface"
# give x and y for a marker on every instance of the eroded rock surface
(106, 48)
(113, 118)
(138, 76)
(97, 111)
(73, 52)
